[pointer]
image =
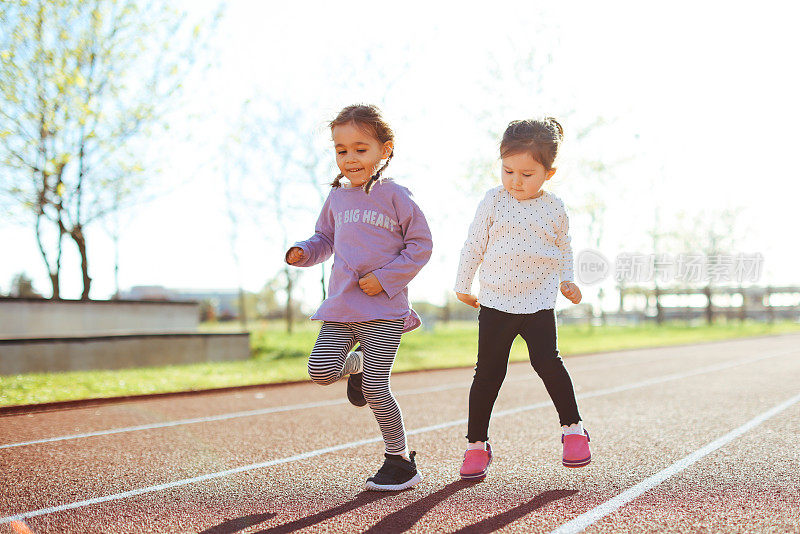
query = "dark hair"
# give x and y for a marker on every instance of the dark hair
(368, 118)
(541, 138)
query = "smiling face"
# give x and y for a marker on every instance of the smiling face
(523, 176)
(358, 153)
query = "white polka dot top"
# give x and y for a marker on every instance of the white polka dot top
(522, 247)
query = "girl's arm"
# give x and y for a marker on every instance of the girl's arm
(475, 245)
(318, 247)
(568, 288)
(396, 275)
(563, 243)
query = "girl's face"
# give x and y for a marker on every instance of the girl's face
(358, 154)
(523, 176)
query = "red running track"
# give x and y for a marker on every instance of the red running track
(699, 438)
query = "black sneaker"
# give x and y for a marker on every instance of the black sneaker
(354, 393)
(397, 473)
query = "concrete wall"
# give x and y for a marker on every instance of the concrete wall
(117, 352)
(47, 318)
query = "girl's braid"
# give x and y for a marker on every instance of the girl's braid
(377, 175)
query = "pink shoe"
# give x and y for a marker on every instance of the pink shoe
(476, 462)
(576, 450)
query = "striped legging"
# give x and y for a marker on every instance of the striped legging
(379, 342)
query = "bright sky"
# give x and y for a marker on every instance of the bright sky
(700, 101)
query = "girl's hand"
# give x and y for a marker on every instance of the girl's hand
(470, 300)
(571, 291)
(294, 254)
(369, 285)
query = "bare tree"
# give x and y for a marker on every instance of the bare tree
(712, 233)
(114, 230)
(594, 207)
(313, 162)
(658, 234)
(662, 236)
(286, 143)
(235, 170)
(262, 174)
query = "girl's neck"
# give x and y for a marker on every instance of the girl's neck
(347, 185)
(537, 195)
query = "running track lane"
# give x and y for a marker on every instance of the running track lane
(609, 391)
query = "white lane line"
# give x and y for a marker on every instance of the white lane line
(185, 481)
(274, 409)
(584, 520)
(166, 424)
(234, 415)
(353, 444)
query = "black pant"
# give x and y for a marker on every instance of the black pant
(496, 333)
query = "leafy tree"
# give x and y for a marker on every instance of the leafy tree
(82, 83)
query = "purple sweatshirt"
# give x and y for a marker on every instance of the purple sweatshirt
(383, 233)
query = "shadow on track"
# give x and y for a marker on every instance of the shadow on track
(236, 525)
(396, 522)
(405, 518)
(365, 497)
(491, 524)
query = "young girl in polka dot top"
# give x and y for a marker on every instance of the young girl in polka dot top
(520, 239)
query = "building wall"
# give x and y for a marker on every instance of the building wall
(47, 318)
(18, 356)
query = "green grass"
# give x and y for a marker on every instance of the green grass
(278, 357)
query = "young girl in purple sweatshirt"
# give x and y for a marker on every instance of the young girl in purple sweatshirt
(380, 240)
